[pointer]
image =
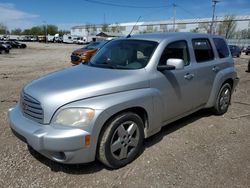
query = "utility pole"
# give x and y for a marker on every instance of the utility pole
(174, 15)
(104, 18)
(46, 30)
(212, 23)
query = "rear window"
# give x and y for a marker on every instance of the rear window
(221, 47)
(202, 50)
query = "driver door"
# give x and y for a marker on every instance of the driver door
(178, 88)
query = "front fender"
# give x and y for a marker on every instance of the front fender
(108, 105)
(146, 98)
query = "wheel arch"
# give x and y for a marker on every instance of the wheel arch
(229, 81)
(225, 76)
(140, 111)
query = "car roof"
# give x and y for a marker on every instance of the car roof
(158, 37)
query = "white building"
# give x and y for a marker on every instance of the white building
(184, 25)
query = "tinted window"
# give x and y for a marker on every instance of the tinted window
(177, 50)
(221, 47)
(202, 50)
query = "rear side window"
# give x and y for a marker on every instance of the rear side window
(221, 47)
(202, 50)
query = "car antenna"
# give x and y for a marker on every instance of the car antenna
(129, 35)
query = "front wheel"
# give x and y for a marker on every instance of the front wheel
(121, 140)
(223, 100)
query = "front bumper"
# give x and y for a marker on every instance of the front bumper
(65, 145)
(75, 59)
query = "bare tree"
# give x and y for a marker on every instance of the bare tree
(105, 28)
(195, 30)
(16, 31)
(3, 29)
(87, 28)
(227, 27)
(94, 29)
(204, 27)
(116, 28)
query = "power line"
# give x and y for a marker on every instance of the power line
(124, 6)
(185, 10)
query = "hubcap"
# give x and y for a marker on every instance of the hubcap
(224, 99)
(124, 140)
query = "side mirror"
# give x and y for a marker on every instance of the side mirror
(177, 63)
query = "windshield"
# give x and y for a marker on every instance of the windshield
(124, 54)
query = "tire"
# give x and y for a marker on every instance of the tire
(248, 66)
(117, 145)
(223, 99)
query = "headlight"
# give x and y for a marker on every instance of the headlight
(74, 116)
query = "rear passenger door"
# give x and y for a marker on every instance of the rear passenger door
(206, 69)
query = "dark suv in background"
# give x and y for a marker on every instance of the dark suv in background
(235, 50)
(3, 48)
(247, 51)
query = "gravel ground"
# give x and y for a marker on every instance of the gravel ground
(201, 150)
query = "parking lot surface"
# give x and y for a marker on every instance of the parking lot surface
(201, 150)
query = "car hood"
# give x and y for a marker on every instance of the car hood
(81, 82)
(82, 50)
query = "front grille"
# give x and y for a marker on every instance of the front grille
(74, 58)
(31, 108)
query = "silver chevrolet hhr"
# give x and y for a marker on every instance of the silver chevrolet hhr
(128, 91)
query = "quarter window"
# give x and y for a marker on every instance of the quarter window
(221, 47)
(177, 50)
(202, 50)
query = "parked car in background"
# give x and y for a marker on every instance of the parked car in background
(15, 44)
(235, 50)
(126, 93)
(3, 43)
(4, 49)
(247, 51)
(84, 54)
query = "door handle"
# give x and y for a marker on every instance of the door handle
(188, 76)
(215, 68)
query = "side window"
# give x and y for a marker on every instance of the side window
(202, 50)
(221, 47)
(177, 50)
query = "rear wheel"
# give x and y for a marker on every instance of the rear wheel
(121, 140)
(223, 100)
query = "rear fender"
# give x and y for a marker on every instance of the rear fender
(221, 77)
